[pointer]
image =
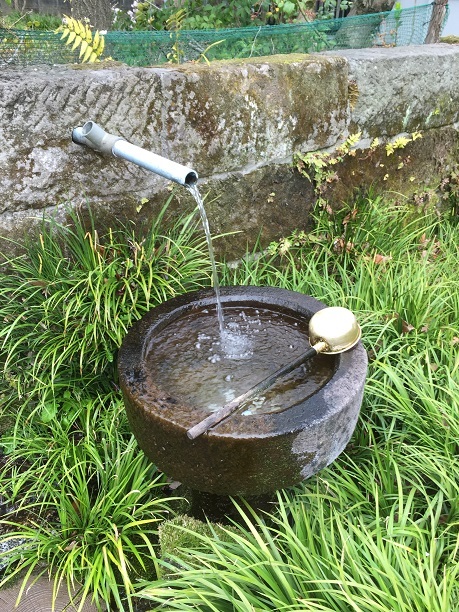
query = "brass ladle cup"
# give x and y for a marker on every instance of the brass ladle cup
(331, 331)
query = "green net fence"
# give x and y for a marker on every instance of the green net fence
(394, 28)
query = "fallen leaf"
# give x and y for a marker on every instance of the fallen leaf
(340, 244)
(350, 216)
(423, 241)
(332, 178)
(349, 246)
(377, 258)
(407, 327)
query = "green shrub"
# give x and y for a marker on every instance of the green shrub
(30, 21)
(204, 15)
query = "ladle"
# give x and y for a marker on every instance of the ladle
(331, 331)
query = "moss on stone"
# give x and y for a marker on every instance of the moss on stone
(412, 170)
(450, 40)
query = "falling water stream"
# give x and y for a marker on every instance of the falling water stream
(205, 223)
(234, 343)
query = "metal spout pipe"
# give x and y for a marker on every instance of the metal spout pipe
(93, 136)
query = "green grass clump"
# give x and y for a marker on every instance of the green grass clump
(377, 530)
(87, 504)
(67, 304)
(183, 531)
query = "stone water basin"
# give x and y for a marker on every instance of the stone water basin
(174, 370)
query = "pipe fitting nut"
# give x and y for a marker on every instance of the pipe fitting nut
(95, 137)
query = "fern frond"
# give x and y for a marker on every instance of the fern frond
(83, 47)
(79, 28)
(101, 46)
(87, 54)
(78, 33)
(71, 38)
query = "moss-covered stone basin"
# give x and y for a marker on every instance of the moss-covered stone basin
(250, 453)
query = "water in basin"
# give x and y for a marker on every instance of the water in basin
(192, 361)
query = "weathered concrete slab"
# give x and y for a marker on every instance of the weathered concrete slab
(38, 597)
(395, 92)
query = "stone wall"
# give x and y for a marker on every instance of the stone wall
(237, 124)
